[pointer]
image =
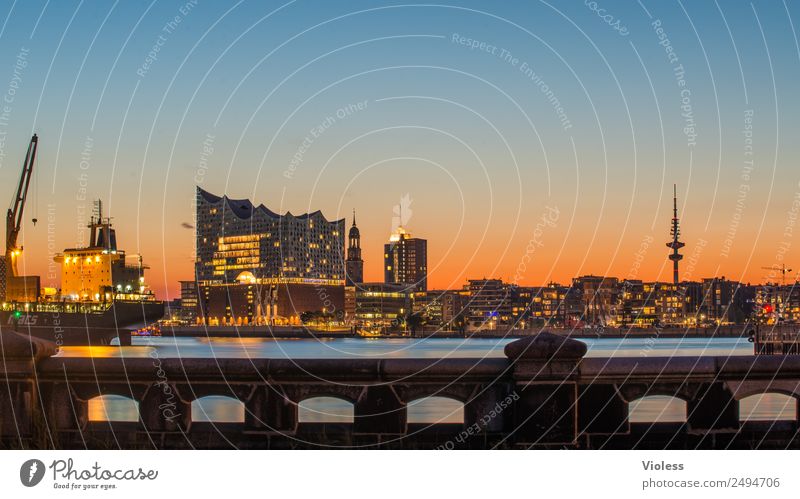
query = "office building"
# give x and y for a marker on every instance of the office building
(405, 260)
(381, 306)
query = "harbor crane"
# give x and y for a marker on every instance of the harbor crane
(782, 269)
(20, 288)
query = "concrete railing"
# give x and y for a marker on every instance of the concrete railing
(543, 394)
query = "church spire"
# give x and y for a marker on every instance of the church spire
(354, 265)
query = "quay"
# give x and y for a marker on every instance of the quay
(281, 332)
(301, 332)
(726, 331)
(543, 394)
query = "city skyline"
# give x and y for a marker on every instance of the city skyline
(352, 113)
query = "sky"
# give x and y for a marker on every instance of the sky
(528, 141)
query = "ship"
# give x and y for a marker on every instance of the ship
(102, 296)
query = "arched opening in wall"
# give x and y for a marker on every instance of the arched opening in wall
(435, 410)
(657, 409)
(325, 410)
(768, 407)
(113, 408)
(217, 409)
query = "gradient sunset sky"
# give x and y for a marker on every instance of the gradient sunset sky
(405, 107)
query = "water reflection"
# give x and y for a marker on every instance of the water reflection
(338, 348)
(657, 409)
(217, 409)
(325, 410)
(113, 408)
(435, 410)
(768, 407)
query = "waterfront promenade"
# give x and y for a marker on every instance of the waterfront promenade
(543, 394)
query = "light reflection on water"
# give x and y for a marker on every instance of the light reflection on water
(765, 407)
(338, 348)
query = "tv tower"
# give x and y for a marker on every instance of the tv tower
(675, 232)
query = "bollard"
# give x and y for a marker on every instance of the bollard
(545, 375)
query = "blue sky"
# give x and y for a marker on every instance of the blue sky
(468, 134)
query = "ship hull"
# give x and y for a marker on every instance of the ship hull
(75, 325)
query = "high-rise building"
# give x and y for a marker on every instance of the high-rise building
(189, 300)
(234, 237)
(405, 260)
(354, 265)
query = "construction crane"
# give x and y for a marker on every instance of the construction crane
(782, 269)
(20, 288)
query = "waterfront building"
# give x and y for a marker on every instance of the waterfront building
(726, 302)
(525, 301)
(257, 302)
(490, 304)
(233, 236)
(189, 300)
(600, 297)
(382, 306)
(354, 265)
(560, 305)
(692, 294)
(669, 304)
(775, 304)
(637, 305)
(444, 309)
(405, 260)
(173, 312)
(100, 271)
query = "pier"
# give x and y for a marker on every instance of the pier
(543, 394)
